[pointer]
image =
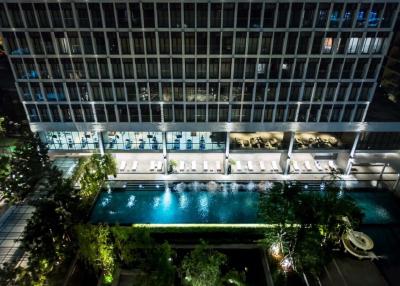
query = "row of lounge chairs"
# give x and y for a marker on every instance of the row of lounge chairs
(307, 165)
(262, 165)
(126, 167)
(193, 166)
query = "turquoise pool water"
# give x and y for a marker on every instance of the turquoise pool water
(149, 204)
(378, 207)
(211, 203)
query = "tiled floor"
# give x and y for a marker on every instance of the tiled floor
(66, 165)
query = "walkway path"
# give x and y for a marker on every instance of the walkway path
(12, 224)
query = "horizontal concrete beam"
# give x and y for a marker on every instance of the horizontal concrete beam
(222, 127)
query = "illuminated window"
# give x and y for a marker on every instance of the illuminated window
(377, 46)
(352, 48)
(327, 47)
(366, 45)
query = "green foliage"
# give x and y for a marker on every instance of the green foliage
(2, 127)
(48, 234)
(309, 223)
(202, 267)
(95, 171)
(234, 277)
(4, 169)
(27, 165)
(79, 169)
(135, 248)
(96, 248)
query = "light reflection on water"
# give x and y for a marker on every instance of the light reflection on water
(227, 203)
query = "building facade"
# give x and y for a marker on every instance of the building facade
(200, 75)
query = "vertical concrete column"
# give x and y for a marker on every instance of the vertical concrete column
(101, 143)
(165, 154)
(383, 171)
(352, 153)
(291, 142)
(226, 158)
(396, 184)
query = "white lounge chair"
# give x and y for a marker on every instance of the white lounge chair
(152, 165)
(218, 166)
(318, 166)
(159, 166)
(274, 166)
(238, 166)
(262, 166)
(205, 165)
(182, 166)
(295, 166)
(307, 165)
(134, 165)
(250, 166)
(122, 166)
(193, 165)
(332, 165)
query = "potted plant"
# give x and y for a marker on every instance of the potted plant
(172, 165)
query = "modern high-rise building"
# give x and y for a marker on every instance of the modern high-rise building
(222, 76)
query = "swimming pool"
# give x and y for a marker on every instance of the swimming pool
(158, 204)
(378, 207)
(210, 203)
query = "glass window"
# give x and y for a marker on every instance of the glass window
(94, 9)
(178, 92)
(100, 113)
(202, 12)
(175, 11)
(29, 15)
(283, 10)
(42, 15)
(109, 17)
(165, 68)
(255, 15)
(152, 68)
(163, 39)
(240, 45)
(122, 113)
(138, 44)
(122, 15)
(229, 12)
(83, 15)
(226, 68)
(295, 15)
(100, 43)
(190, 16)
(68, 15)
(136, 20)
(278, 43)
(214, 68)
(162, 15)
(15, 15)
(327, 45)
(253, 43)
(269, 15)
(125, 45)
(150, 43)
(176, 40)
(215, 43)
(190, 43)
(87, 43)
(322, 15)
(140, 68)
(216, 15)
(242, 15)
(202, 43)
(353, 44)
(133, 113)
(148, 15)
